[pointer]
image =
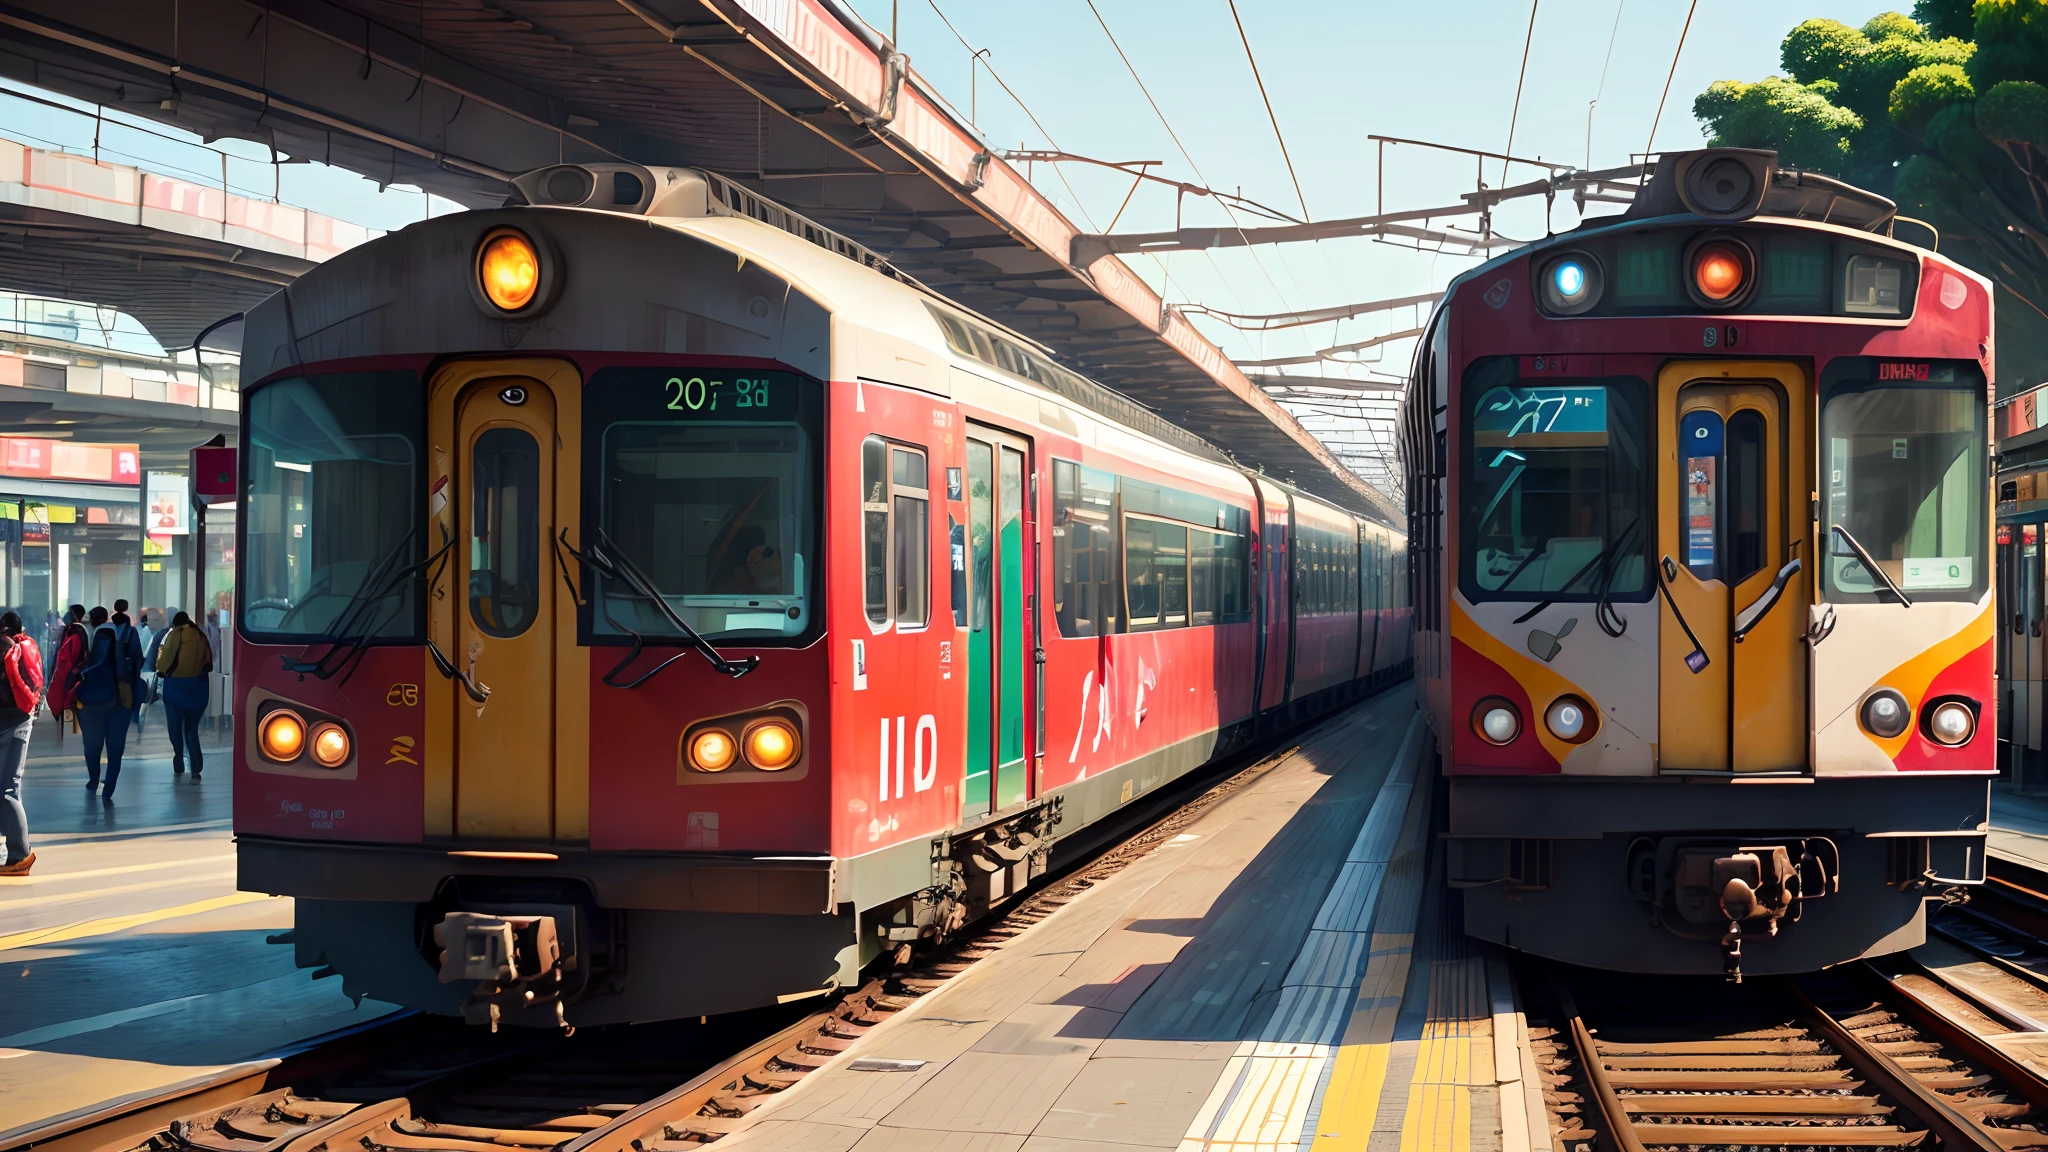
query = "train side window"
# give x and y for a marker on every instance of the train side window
(1141, 581)
(1156, 573)
(874, 497)
(911, 536)
(1087, 592)
(1201, 577)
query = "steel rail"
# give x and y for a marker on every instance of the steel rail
(1956, 1130)
(1706, 1080)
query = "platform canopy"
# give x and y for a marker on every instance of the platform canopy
(797, 99)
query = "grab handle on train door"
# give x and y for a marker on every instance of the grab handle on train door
(1696, 660)
(1747, 619)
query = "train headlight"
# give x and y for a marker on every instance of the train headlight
(713, 750)
(1951, 722)
(1885, 714)
(330, 745)
(771, 745)
(508, 269)
(1721, 271)
(1496, 721)
(283, 736)
(1570, 284)
(1570, 719)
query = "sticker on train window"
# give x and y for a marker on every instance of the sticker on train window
(1938, 572)
(1545, 416)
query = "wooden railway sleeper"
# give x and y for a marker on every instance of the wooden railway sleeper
(1955, 1128)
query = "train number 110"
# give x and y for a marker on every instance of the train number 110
(699, 395)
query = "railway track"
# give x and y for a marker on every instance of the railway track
(650, 1088)
(1845, 1059)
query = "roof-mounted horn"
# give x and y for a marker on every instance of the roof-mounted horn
(627, 188)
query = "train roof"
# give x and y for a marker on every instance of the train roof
(1710, 186)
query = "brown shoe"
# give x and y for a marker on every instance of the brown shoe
(19, 867)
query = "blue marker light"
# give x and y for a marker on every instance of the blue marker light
(1570, 279)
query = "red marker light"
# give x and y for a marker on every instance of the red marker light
(1718, 272)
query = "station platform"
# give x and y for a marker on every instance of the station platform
(2019, 827)
(1277, 976)
(128, 962)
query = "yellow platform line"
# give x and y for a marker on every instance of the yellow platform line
(40, 878)
(16, 903)
(107, 924)
(1454, 1056)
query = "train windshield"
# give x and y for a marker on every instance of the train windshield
(1554, 487)
(1905, 478)
(330, 539)
(707, 482)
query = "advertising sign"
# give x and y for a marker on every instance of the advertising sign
(167, 511)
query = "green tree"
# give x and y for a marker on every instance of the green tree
(1946, 112)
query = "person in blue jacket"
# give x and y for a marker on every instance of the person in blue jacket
(109, 689)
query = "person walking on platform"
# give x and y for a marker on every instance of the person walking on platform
(184, 667)
(70, 655)
(109, 685)
(21, 668)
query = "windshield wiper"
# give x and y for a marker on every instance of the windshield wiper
(354, 623)
(1601, 608)
(609, 561)
(1863, 557)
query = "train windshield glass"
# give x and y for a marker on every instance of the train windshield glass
(331, 545)
(1554, 487)
(706, 482)
(1905, 472)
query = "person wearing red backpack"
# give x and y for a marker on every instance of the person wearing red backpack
(22, 668)
(70, 654)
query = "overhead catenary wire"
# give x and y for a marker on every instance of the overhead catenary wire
(1528, 39)
(1175, 137)
(1600, 89)
(1675, 54)
(1270, 116)
(1079, 204)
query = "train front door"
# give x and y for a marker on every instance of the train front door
(1735, 505)
(504, 484)
(1002, 642)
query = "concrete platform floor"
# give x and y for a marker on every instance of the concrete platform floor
(127, 959)
(2019, 826)
(1272, 978)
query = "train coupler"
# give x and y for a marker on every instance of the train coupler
(514, 963)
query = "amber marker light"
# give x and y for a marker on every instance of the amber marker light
(771, 745)
(509, 270)
(1718, 272)
(330, 746)
(712, 750)
(283, 736)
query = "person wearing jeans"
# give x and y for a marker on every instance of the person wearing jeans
(183, 665)
(21, 691)
(109, 685)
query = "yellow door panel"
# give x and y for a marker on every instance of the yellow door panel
(1692, 708)
(505, 635)
(505, 440)
(1736, 490)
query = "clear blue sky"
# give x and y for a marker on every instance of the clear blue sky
(1337, 72)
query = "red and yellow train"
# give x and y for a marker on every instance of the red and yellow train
(653, 607)
(1699, 500)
